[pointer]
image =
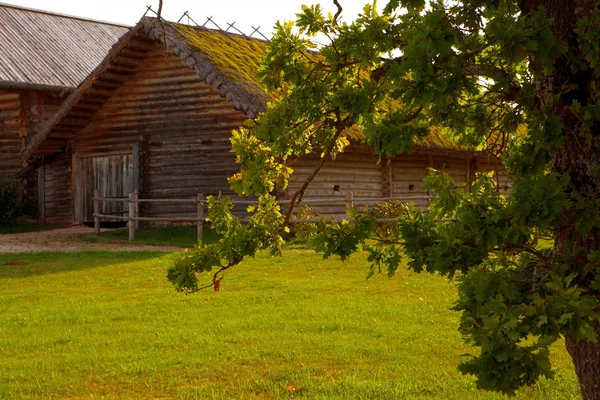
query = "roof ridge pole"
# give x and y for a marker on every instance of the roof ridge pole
(149, 8)
(236, 29)
(256, 30)
(184, 14)
(209, 19)
(192, 19)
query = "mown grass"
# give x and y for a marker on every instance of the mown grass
(109, 325)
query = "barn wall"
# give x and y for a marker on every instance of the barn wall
(181, 125)
(408, 172)
(57, 191)
(10, 126)
(361, 174)
(356, 173)
(455, 167)
(20, 113)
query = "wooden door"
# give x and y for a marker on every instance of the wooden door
(112, 176)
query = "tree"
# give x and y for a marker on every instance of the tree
(517, 79)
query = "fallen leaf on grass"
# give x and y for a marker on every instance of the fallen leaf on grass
(292, 389)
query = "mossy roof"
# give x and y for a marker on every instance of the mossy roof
(440, 138)
(236, 56)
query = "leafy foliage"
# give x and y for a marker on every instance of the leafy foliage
(515, 80)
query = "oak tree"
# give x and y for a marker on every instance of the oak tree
(517, 79)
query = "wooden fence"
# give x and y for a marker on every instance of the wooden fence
(133, 217)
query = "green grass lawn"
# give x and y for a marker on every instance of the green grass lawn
(109, 325)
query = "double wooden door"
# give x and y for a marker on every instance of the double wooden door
(111, 176)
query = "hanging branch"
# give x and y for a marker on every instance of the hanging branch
(340, 126)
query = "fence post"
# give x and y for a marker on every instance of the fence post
(131, 223)
(96, 211)
(349, 202)
(136, 208)
(200, 222)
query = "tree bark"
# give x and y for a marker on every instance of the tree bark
(586, 358)
(580, 160)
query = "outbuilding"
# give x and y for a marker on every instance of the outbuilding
(156, 116)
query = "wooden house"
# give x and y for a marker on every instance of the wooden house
(156, 116)
(43, 57)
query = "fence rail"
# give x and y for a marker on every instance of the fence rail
(133, 210)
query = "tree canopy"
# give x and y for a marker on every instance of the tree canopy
(513, 79)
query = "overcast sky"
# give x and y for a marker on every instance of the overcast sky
(245, 13)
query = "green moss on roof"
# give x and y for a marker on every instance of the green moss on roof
(236, 56)
(437, 138)
(440, 138)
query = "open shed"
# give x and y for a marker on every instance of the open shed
(156, 116)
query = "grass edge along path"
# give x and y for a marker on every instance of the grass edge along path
(109, 325)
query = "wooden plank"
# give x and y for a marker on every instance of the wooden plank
(41, 172)
(135, 165)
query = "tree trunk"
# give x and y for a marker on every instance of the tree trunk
(586, 358)
(580, 160)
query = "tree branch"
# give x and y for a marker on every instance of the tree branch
(339, 11)
(527, 249)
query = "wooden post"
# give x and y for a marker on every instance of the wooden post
(96, 211)
(430, 164)
(386, 177)
(468, 174)
(200, 223)
(131, 223)
(136, 208)
(349, 202)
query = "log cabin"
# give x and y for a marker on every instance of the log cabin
(43, 57)
(156, 116)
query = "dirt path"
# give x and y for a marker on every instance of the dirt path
(63, 240)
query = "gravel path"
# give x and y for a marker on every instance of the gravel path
(62, 240)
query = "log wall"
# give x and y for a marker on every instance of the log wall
(21, 112)
(350, 172)
(57, 192)
(364, 176)
(408, 172)
(10, 127)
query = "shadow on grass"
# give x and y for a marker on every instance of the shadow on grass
(179, 236)
(25, 228)
(24, 265)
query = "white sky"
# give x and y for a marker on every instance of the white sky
(245, 13)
